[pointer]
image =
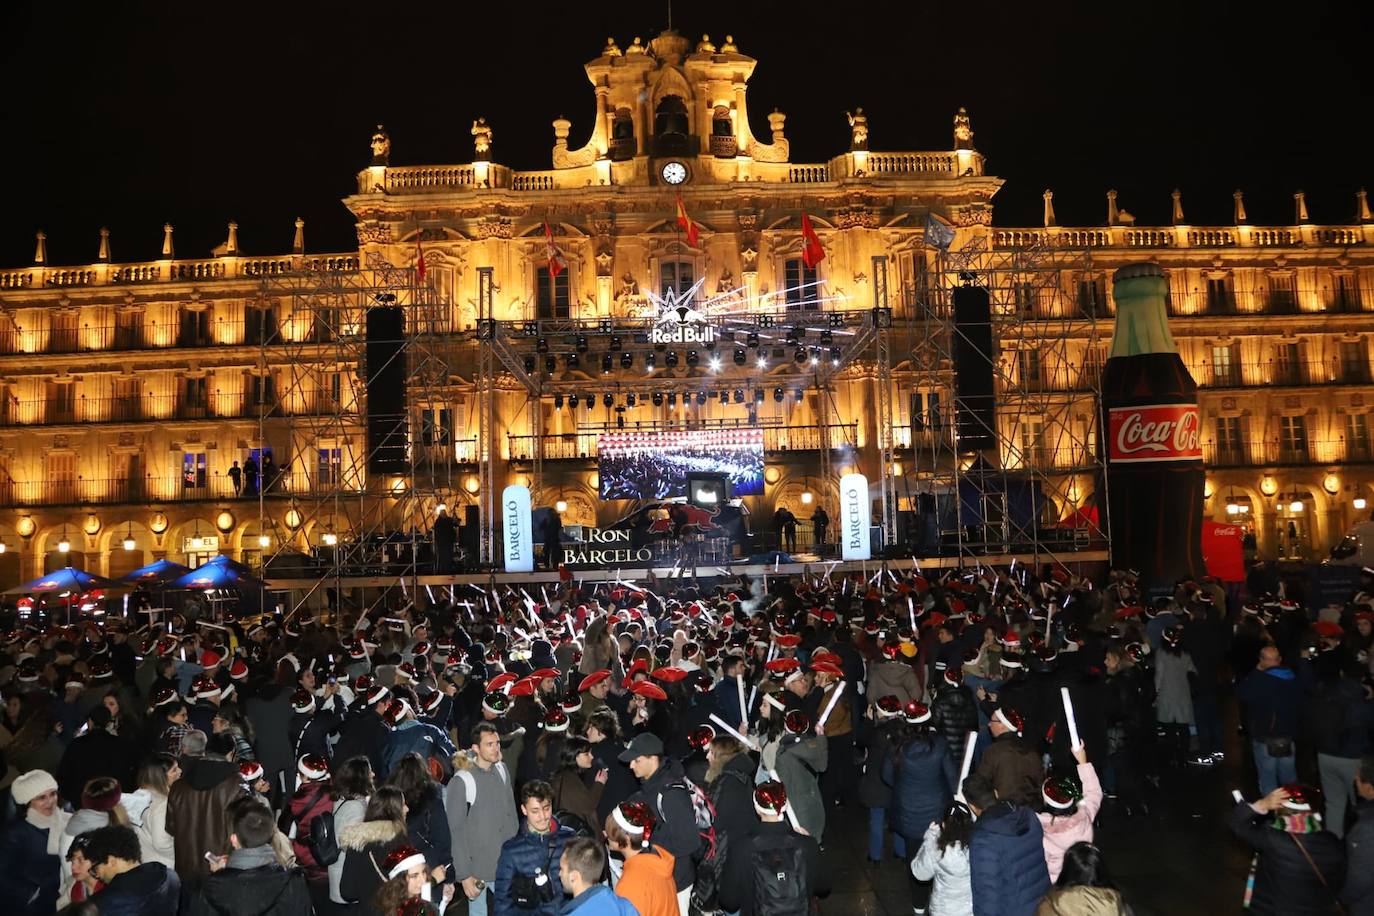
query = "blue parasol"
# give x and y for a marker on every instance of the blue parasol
(219, 572)
(67, 579)
(159, 572)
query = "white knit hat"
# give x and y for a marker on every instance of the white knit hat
(31, 785)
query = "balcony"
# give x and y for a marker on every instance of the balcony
(1290, 452)
(160, 489)
(1052, 379)
(1285, 373)
(147, 407)
(581, 446)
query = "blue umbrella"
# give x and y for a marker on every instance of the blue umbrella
(66, 579)
(159, 572)
(219, 572)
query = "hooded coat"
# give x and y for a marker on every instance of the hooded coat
(800, 765)
(198, 814)
(265, 890)
(1007, 861)
(922, 776)
(1284, 881)
(365, 846)
(1062, 831)
(1083, 901)
(647, 883)
(149, 889)
(677, 827)
(952, 894)
(892, 678)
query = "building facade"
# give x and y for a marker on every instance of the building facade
(130, 393)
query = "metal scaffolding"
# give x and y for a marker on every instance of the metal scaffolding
(1034, 490)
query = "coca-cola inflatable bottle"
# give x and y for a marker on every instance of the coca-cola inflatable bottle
(1153, 438)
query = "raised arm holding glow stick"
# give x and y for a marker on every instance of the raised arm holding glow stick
(970, 744)
(1068, 714)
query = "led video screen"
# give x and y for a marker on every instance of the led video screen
(655, 464)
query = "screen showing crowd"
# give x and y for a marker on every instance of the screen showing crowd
(655, 464)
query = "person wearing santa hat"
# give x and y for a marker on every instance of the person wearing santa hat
(773, 862)
(363, 732)
(923, 776)
(646, 879)
(797, 756)
(1299, 865)
(893, 674)
(1007, 871)
(1010, 762)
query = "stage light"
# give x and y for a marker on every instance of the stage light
(627, 360)
(762, 362)
(607, 399)
(630, 399)
(800, 355)
(658, 398)
(777, 395)
(572, 401)
(758, 395)
(605, 364)
(589, 400)
(692, 358)
(752, 340)
(791, 335)
(835, 355)
(798, 395)
(581, 343)
(672, 399)
(739, 396)
(542, 345)
(814, 358)
(715, 364)
(650, 362)
(701, 399)
(558, 402)
(725, 397)
(827, 337)
(615, 342)
(330, 539)
(550, 364)
(574, 360)
(739, 357)
(671, 360)
(529, 365)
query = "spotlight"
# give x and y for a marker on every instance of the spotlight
(701, 399)
(777, 395)
(529, 364)
(725, 397)
(692, 358)
(558, 402)
(589, 400)
(542, 346)
(672, 399)
(752, 340)
(762, 362)
(550, 364)
(581, 343)
(798, 394)
(815, 356)
(605, 363)
(630, 399)
(658, 399)
(627, 360)
(758, 395)
(671, 361)
(739, 396)
(615, 342)
(739, 357)
(715, 364)
(791, 335)
(800, 355)
(650, 361)
(574, 360)
(607, 400)
(827, 337)
(604, 325)
(835, 355)
(572, 401)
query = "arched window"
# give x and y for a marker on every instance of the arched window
(622, 135)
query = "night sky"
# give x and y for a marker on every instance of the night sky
(135, 114)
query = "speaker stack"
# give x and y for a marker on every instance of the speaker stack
(386, 391)
(975, 408)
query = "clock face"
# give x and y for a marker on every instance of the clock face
(674, 172)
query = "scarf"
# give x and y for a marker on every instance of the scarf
(254, 857)
(54, 823)
(1298, 823)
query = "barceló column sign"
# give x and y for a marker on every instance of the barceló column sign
(854, 517)
(516, 521)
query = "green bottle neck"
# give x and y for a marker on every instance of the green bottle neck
(1142, 317)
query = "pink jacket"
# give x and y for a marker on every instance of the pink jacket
(1062, 832)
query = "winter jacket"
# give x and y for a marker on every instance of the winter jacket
(346, 813)
(799, 765)
(365, 846)
(877, 741)
(677, 826)
(198, 816)
(725, 702)
(364, 734)
(1014, 768)
(647, 882)
(31, 876)
(953, 714)
(267, 890)
(737, 887)
(1062, 832)
(530, 854)
(428, 828)
(578, 793)
(1339, 718)
(599, 900)
(922, 777)
(1173, 697)
(1358, 892)
(952, 894)
(149, 889)
(415, 736)
(620, 780)
(893, 678)
(732, 794)
(1007, 861)
(839, 724)
(154, 841)
(309, 801)
(270, 713)
(1284, 881)
(1272, 701)
(477, 830)
(96, 753)
(1083, 901)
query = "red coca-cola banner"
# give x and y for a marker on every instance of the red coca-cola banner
(1154, 432)
(1223, 550)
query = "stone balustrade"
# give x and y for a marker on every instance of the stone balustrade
(1179, 237)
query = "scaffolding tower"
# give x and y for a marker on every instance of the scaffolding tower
(1037, 490)
(325, 516)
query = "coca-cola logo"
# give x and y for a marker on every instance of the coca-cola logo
(1157, 432)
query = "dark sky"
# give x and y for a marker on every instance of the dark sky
(134, 114)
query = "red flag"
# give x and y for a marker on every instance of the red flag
(812, 252)
(685, 223)
(557, 263)
(420, 258)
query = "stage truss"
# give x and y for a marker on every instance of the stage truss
(327, 514)
(1049, 348)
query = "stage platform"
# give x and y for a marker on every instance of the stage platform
(632, 574)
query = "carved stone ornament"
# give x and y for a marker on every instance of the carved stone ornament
(975, 215)
(856, 218)
(603, 226)
(604, 260)
(126, 439)
(1357, 400)
(1228, 403)
(494, 227)
(374, 233)
(628, 287)
(749, 258)
(61, 441)
(747, 221)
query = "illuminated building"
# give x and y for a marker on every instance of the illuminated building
(127, 390)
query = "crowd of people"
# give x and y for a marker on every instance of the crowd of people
(660, 474)
(666, 748)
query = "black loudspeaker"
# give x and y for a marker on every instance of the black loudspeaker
(708, 491)
(386, 391)
(470, 533)
(906, 528)
(976, 414)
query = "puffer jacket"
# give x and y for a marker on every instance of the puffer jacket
(953, 714)
(893, 678)
(1062, 832)
(952, 894)
(799, 765)
(309, 802)
(922, 777)
(31, 876)
(529, 853)
(1007, 861)
(1083, 901)
(149, 889)
(1284, 882)
(198, 814)
(1014, 768)
(364, 846)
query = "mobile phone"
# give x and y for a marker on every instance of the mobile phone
(211, 857)
(1240, 799)
(332, 680)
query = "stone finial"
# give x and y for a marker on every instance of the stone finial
(481, 140)
(1362, 206)
(40, 251)
(776, 121)
(231, 244)
(168, 252)
(729, 46)
(104, 254)
(298, 243)
(612, 49)
(1049, 207)
(704, 46)
(1239, 215)
(1300, 208)
(963, 130)
(1113, 215)
(381, 146)
(636, 47)
(1177, 195)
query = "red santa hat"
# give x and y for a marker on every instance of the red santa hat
(303, 701)
(770, 799)
(636, 819)
(889, 707)
(1010, 719)
(250, 771)
(313, 768)
(401, 860)
(916, 712)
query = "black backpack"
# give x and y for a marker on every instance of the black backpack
(323, 841)
(781, 887)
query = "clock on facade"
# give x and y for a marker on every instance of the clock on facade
(674, 172)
